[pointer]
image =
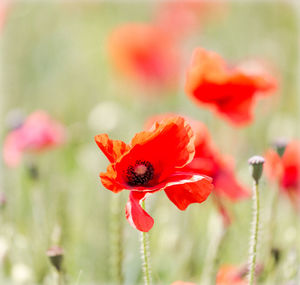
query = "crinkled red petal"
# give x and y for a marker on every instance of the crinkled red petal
(112, 149)
(169, 146)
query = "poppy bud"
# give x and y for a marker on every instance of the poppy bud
(33, 171)
(280, 146)
(256, 166)
(55, 254)
(276, 253)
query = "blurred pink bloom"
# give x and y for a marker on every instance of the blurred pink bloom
(230, 275)
(183, 283)
(181, 17)
(39, 132)
(3, 11)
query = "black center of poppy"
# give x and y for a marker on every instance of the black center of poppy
(140, 173)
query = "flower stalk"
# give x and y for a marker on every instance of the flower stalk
(256, 167)
(145, 254)
(116, 230)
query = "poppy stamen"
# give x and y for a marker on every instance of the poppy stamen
(140, 173)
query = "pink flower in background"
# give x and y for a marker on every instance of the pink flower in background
(182, 17)
(145, 53)
(231, 275)
(3, 12)
(182, 283)
(39, 132)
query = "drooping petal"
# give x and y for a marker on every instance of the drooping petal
(169, 146)
(112, 149)
(135, 214)
(108, 179)
(191, 189)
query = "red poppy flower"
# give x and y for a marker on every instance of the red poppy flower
(154, 160)
(230, 275)
(231, 92)
(37, 133)
(286, 170)
(145, 53)
(209, 161)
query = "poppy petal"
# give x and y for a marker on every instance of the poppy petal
(108, 179)
(112, 149)
(226, 185)
(12, 149)
(192, 189)
(168, 146)
(273, 165)
(135, 214)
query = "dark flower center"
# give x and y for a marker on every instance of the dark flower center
(140, 173)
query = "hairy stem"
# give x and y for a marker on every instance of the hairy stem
(254, 234)
(145, 254)
(116, 248)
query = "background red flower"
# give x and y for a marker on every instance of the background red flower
(209, 161)
(230, 91)
(145, 53)
(230, 275)
(286, 170)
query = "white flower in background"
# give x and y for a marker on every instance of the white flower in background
(105, 116)
(21, 273)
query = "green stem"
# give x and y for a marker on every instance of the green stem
(60, 278)
(116, 230)
(254, 234)
(272, 220)
(145, 255)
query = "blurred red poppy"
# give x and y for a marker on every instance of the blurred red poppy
(145, 53)
(209, 161)
(286, 170)
(153, 161)
(37, 133)
(230, 91)
(230, 275)
(182, 283)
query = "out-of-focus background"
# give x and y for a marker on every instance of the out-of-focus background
(55, 57)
